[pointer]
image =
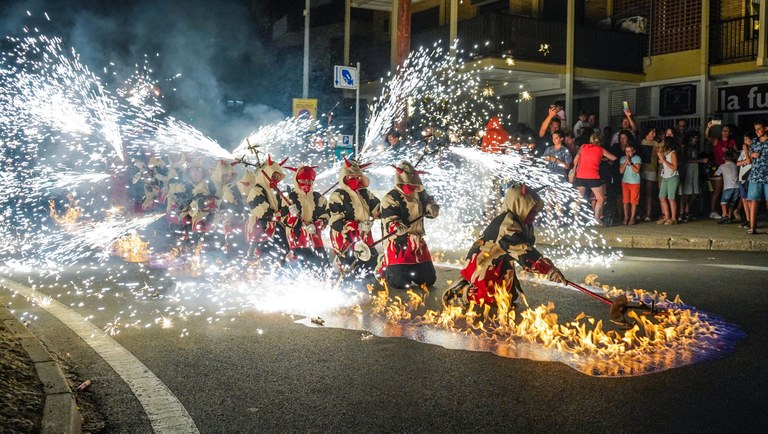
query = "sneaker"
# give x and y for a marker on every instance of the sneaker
(714, 215)
(744, 225)
(723, 221)
(647, 219)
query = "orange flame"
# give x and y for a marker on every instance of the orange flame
(69, 216)
(131, 248)
(653, 343)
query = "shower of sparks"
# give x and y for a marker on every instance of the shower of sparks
(544, 49)
(69, 144)
(292, 137)
(194, 142)
(525, 96)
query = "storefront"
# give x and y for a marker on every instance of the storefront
(743, 104)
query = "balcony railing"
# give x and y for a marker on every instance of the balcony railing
(494, 35)
(733, 40)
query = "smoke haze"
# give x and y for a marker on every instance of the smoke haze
(214, 45)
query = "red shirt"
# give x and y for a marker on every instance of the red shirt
(589, 161)
(719, 150)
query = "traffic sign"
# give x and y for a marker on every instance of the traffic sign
(345, 77)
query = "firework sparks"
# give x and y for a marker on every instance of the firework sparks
(65, 137)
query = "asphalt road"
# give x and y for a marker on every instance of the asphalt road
(294, 378)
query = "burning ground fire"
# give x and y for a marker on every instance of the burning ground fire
(131, 248)
(679, 337)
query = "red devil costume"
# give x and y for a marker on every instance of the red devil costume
(305, 218)
(495, 138)
(264, 231)
(353, 209)
(406, 256)
(508, 238)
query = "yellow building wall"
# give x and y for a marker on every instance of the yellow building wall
(522, 7)
(466, 11)
(381, 18)
(425, 4)
(673, 65)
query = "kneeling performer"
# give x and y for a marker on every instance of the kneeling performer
(508, 238)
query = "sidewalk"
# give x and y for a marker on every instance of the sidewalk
(55, 401)
(704, 234)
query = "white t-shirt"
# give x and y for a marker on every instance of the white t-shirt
(579, 125)
(730, 175)
(743, 169)
(667, 172)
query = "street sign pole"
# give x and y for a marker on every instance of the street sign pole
(357, 113)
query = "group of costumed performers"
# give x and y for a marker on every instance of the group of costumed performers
(250, 216)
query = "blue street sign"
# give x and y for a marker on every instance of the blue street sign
(345, 77)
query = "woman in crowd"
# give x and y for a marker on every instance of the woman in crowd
(650, 170)
(670, 180)
(744, 166)
(587, 163)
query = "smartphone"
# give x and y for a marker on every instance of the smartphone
(717, 122)
(626, 105)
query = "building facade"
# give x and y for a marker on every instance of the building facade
(668, 59)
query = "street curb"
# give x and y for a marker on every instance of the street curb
(60, 415)
(671, 242)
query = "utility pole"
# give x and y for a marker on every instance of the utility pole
(305, 93)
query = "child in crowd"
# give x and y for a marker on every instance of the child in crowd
(730, 175)
(629, 166)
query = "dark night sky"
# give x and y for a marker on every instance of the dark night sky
(220, 47)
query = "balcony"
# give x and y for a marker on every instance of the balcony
(494, 35)
(733, 40)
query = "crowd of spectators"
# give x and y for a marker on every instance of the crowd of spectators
(669, 176)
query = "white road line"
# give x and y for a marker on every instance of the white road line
(739, 267)
(647, 259)
(165, 412)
